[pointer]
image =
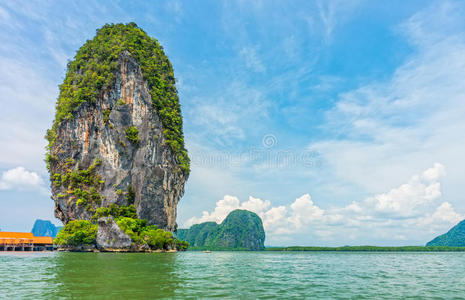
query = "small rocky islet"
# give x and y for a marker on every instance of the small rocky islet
(116, 153)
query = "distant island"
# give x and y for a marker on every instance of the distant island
(45, 228)
(240, 230)
(455, 237)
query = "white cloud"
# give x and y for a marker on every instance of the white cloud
(275, 217)
(257, 205)
(408, 199)
(20, 178)
(444, 214)
(304, 211)
(228, 204)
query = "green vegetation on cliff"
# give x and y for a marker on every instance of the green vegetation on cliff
(156, 238)
(132, 134)
(93, 68)
(77, 233)
(83, 185)
(116, 211)
(455, 237)
(241, 230)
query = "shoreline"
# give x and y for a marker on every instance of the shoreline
(93, 251)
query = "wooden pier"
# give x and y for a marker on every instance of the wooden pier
(24, 241)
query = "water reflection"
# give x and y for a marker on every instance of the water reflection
(108, 275)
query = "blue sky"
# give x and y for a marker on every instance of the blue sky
(338, 122)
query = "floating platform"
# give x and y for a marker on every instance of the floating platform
(24, 241)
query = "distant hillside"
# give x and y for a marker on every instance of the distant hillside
(453, 238)
(241, 229)
(45, 228)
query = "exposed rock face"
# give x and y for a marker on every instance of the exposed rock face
(241, 229)
(455, 237)
(143, 173)
(110, 237)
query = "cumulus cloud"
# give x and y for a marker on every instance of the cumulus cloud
(444, 214)
(410, 198)
(20, 178)
(227, 205)
(403, 213)
(304, 211)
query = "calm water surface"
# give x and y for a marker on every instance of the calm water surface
(232, 275)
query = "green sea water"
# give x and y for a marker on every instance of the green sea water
(232, 275)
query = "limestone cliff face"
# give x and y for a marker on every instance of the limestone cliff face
(116, 145)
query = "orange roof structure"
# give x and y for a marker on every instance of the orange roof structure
(16, 235)
(23, 238)
(42, 240)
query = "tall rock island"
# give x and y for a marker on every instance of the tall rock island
(117, 137)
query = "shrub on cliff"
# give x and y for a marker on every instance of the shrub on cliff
(155, 238)
(116, 211)
(76, 233)
(132, 134)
